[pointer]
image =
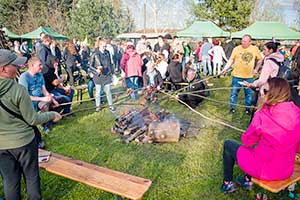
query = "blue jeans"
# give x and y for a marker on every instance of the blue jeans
(198, 67)
(17, 162)
(91, 86)
(184, 61)
(236, 89)
(68, 98)
(133, 83)
(206, 65)
(107, 91)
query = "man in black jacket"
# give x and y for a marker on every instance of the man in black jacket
(45, 51)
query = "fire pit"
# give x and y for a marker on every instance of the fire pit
(146, 126)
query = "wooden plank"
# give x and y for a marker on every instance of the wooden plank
(112, 181)
(277, 186)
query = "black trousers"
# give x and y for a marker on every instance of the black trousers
(14, 163)
(230, 149)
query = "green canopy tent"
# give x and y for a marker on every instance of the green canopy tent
(36, 34)
(267, 30)
(10, 34)
(203, 29)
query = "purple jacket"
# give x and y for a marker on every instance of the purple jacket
(270, 143)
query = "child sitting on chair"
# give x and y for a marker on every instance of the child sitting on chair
(270, 143)
(152, 82)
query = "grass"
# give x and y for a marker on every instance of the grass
(188, 170)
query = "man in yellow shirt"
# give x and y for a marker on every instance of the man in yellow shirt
(243, 60)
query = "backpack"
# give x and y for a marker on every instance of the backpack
(284, 71)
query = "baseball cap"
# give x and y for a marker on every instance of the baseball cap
(8, 57)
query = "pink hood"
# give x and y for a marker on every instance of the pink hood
(269, 69)
(278, 56)
(276, 133)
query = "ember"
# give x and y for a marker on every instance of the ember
(145, 126)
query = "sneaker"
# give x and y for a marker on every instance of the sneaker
(232, 110)
(247, 185)
(46, 129)
(97, 109)
(112, 108)
(258, 196)
(228, 188)
(248, 112)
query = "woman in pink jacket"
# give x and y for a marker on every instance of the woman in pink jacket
(269, 68)
(131, 64)
(270, 143)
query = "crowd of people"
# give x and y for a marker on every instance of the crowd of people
(169, 56)
(274, 129)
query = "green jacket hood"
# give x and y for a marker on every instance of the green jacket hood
(5, 85)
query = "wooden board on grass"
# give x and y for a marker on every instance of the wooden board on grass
(124, 185)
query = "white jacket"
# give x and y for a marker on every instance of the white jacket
(218, 54)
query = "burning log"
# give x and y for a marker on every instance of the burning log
(136, 134)
(129, 121)
(131, 130)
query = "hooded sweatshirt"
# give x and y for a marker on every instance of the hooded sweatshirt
(270, 143)
(14, 132)
(131, 63)
(269, 69)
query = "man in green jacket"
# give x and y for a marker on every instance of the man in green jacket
(18, 147)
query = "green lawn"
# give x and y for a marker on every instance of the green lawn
(189, 169)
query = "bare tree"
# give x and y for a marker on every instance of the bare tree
(161, 14)
(267, 11)
(297, 6)
(255, 10)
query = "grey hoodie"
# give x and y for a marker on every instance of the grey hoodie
(15, 133)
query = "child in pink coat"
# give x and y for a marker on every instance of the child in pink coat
(270, 143)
